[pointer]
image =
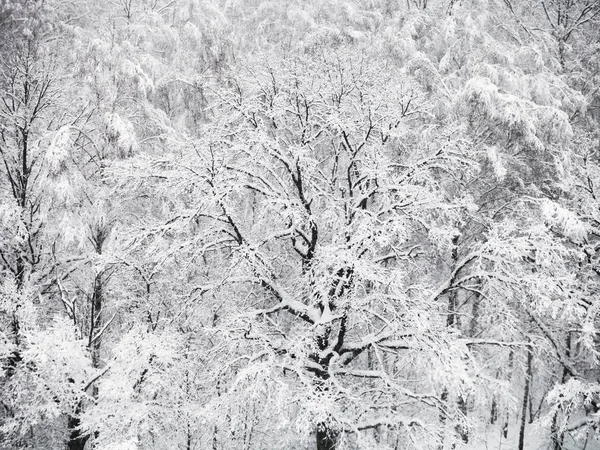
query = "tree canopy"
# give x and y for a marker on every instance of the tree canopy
(332, 224)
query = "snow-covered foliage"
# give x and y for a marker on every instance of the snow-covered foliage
(341, 224)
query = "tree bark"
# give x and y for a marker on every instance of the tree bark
(452, 319)
(462, 431)
(76, 440)
(493, 411)
(558, 436)
(326, 437)
(525, 400)
(510, 369)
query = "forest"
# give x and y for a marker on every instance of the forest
(300, 224)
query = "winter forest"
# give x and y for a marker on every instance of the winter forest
(300, 224)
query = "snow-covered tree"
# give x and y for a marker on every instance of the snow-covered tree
(331, 224)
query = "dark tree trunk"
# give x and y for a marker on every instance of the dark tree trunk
(525, 400)
(452, 319)
(475, 316)
(557, 435)
(326, 433)
(507, 417)
(494, 411)
(462, 431)
(326, 437)
(76, 440)
(96, 320)
(215, 445)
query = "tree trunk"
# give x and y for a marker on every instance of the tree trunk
(96, 320)
(494, 411)
(326, 437)
(525, 400)
(474, 316)
(214, 438)
(326, 434)
(454, 321)
(557, 435)
(462, 431)
(507, 417)
(76, 440)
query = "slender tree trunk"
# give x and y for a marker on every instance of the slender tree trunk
(531, 410)
(531, 413)
(326, 437)
(214, 439)
(462, 431)
(76, 440)
(20, 272)
(188, 440)
(493, 411)
(558, 436)
(494, 407)
(556, 439)
(444, 398)
(452, 320)
(525, 400)
(507, 416)
(96, 325)
(474, 316)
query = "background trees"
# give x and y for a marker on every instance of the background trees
(298, 225)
